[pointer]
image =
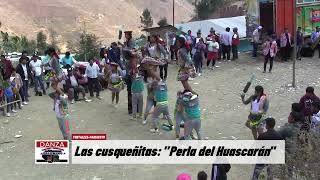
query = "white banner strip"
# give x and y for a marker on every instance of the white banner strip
(178, 152)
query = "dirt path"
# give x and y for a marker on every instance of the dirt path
(223, 115)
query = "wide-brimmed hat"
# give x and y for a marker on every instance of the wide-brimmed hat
(152, 61)
(127, 32)
(114, 64)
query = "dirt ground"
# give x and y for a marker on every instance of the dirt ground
(222, 111)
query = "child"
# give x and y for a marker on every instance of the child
(178, 113)
(270, 49)
(150, 101)
(62, 114)
(116, 83)
(16, 78)
(9, 95)
(160, 92)
(193, 115)
(161, 98)
(137, 88)
(213, 49)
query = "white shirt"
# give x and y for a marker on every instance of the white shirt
(36, 67)
(24, 67)
(92, 71)
(73, 81)
(152, 50)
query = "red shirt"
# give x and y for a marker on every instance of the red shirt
(7, 68)
(235, 39)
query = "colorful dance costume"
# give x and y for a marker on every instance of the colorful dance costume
(161, 98)
(137, 88)
(186, 69)
(150, 101)
(116, 84)
(62, 115)
(256, 118)
(179, 114)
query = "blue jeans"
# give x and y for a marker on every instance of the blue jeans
(25, 87)
(38, 81)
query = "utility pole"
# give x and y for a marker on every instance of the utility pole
(295, 43)
(173, 13)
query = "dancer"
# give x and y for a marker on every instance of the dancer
(56, 75)
(116, 83)
(137, 88)
(62, 114)
(160, 91)
(150, 98)
(193, 115)
(259, 108)
(161, 98)
(186, 65)
(270, 50)
(178, 113)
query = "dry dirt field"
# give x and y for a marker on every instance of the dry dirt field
(222, 111)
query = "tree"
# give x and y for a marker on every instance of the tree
(15, 43)
(146, 18)
(204, 8)
(5, 41)
(88, 46)
(163, 22)
(32, 45)
(54, 42)
(41, 42)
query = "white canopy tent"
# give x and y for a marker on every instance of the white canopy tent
(219, 25)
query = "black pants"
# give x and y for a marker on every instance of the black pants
(213, 63)
(174, 53)
(165, 69)
(285, 53)
(318, 47)
(226, 50)
(266, 59)
(234, 52)
(129, 83)
(94, 83)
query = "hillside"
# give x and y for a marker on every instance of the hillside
(68, 18)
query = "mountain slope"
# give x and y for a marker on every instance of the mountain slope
(68, 18)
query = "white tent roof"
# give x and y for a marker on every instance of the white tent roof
(219, 25)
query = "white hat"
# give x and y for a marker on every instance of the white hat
(259, 27)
